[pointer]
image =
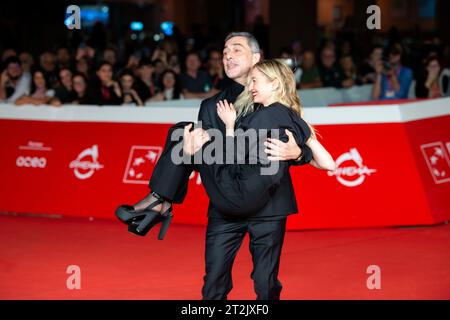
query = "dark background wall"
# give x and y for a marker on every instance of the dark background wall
(37, 25)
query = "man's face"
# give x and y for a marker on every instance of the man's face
(48, 62)
(238, 59)
(63, 55)
(193, 62)
(308, 59)
(328, 58)
(14, 71)
(110, 56)
(26, 60)
(215, 59)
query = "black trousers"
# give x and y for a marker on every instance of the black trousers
(224, 235)
(223, 240)
(168, 179)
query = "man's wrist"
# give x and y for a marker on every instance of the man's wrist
(300, 156)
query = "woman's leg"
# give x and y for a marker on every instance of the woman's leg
(230, 192)
(239, 189)
(169, 181)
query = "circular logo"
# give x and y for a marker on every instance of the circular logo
(351, 175)
(86, 163)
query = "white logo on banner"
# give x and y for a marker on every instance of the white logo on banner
(31, 162)
(35, 146)
(141, 162)
(86, 163)
(345, 173)
(437, 161)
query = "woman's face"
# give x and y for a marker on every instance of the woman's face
(261, 88)
(145, 71)
(347, 63)
(39, 80)
(66, 78)
(79, 85)
(105, 73)
(160, 54)
(395, 58)
(308, 60)
(159, 67)
(82, 66)
(433, 66)
(127, 82)
(169, 80)
(377, 54)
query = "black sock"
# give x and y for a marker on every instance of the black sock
(148, 200)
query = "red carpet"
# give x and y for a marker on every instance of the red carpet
(331, 264)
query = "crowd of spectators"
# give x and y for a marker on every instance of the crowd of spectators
(92, 76)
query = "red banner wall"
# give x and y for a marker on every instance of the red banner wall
(389, 173)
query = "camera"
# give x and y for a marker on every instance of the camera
(386, 66)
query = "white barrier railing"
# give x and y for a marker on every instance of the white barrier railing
(326, 96)
(168, 112)
(309, 97)
(315, 97)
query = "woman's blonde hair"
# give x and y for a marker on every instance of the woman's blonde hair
(286, 93)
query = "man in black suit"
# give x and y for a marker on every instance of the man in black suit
(224, 235)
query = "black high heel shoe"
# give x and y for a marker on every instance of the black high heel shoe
(152, 218)
(127, 214)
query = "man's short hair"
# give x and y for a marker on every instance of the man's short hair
(194, 53)
(395, 49)
(251, 40)
(146, 62)
(9, 60)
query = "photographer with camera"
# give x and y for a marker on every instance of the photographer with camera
(392, 80)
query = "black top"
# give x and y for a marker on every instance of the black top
(422, 91)
(202, 83)
(97, 94)
(277, 198)
(208, 109)
(331, 77)
(144, 91)
(64, 95)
